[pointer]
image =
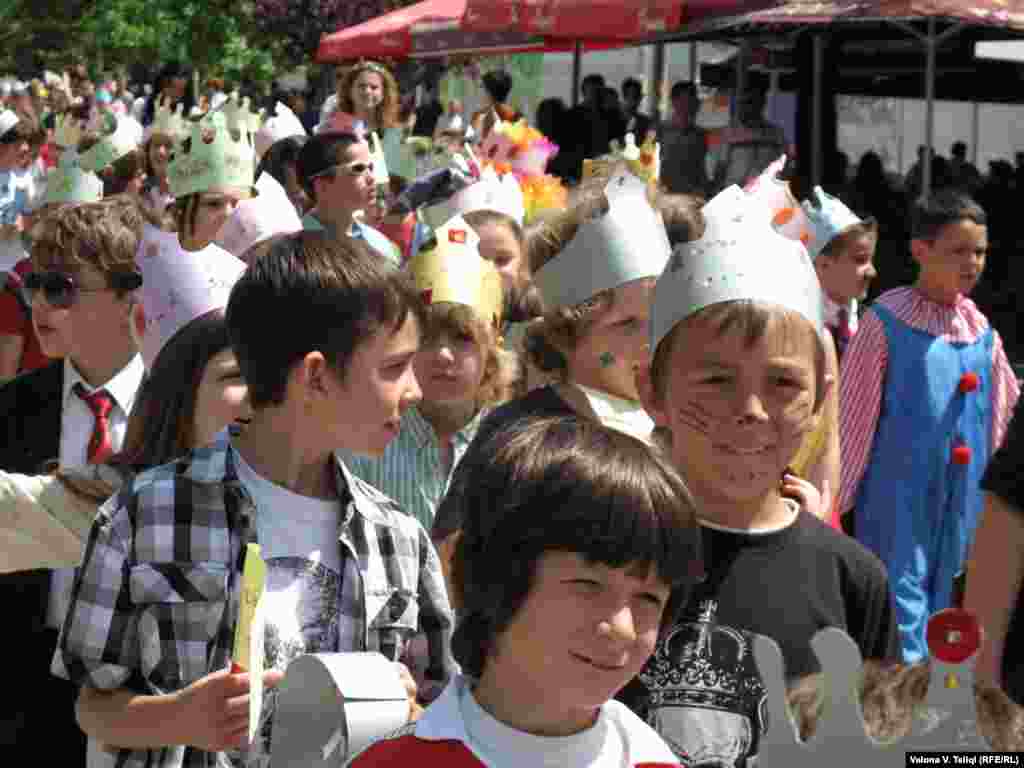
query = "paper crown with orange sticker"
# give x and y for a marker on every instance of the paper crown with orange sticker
(787, 216)
(456, 273)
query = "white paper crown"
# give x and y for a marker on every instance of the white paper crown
(268, 214)
(625, 244)
(168, 122)
(491, 193)
(787, 216)
(841, 740)
(455, 272)
(217, 156)
(282, 124)
(178, 286)
(69, 183)
(740, 257)
(8, 120)
(828, 217)
(67, 131)
(111, 147)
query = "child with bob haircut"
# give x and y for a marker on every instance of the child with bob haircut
(738, 379)
(461, 369)
(926, 395)
(154, 611)
(578, 544)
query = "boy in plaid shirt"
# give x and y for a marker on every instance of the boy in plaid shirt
(152, 621)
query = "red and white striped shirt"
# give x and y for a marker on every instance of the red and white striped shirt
(863, 375)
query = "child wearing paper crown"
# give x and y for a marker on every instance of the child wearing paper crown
(926, 395)
(461, 368)
(579, 544)
(738, 378)
(210, 173)
(842, 247)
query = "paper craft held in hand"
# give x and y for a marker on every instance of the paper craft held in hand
(333, 705)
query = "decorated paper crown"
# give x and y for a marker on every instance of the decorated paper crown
(625, 244)
(645, 160)
(68, 183)
(67, 131)
(111, 147)
(840, 739)
(828, 217)
(239, 116)
(740, 256)
(455, 272)
(490, 193)
(282, 124)
(216, 158)
(786, 214)
(254, 220)
(178, 286)
(168, 122)
(517, 147)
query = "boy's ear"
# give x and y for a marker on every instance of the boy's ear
(919, 250)
(310, 375)
(648, 396)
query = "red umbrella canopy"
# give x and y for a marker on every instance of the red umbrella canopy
(387, 36)
(574, 19)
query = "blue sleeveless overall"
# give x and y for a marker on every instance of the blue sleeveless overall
(916, 508)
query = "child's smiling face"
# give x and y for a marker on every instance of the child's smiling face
(739, 407)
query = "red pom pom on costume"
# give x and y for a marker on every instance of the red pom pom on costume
(969, 382)
(962, 455)
(953, 635)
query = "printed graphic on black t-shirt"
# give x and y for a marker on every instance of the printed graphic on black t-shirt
(704, 696)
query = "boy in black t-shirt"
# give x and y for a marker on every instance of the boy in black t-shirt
(995, 571)
(738, 379)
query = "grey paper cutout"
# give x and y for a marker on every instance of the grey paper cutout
(333, 705)
(841, 739)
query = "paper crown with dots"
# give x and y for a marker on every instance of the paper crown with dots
(70, 183)
(455, 272)
(787, 216)
(949, 719)
(178, 286)
(627, 243)
(111, 147)
(828, 217)
(739, 257)
(216, 155)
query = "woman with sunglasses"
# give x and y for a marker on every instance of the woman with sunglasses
(193, 391)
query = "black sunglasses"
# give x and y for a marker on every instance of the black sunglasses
(61, 290)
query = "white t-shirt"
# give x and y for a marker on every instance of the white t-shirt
(618, 739)
(17, 195)
(298, 538)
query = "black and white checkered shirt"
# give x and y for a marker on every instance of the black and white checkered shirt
(156, 601)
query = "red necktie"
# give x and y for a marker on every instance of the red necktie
(100, 403)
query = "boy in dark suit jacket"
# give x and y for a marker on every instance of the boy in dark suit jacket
(74, 411)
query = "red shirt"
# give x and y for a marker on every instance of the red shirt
(15, 322)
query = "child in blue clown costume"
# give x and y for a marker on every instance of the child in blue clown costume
(926, 393)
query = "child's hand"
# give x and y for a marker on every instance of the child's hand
(215, 709)
(803, 492)
(411, 689)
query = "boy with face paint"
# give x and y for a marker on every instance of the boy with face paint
(738, 379)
